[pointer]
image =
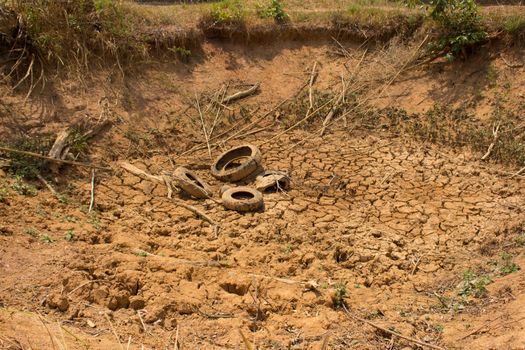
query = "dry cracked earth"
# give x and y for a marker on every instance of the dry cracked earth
(393, 221)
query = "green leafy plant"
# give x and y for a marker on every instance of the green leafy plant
(70, 235)
(460, 27)
(508, 266)
(227, 11)
(24, 166)
(4, 194)
(275, 10)
(23, 188)
(340, 293)
(31, 232)
(474, 285)
(46, 239)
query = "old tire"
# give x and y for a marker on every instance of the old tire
(237, 163)
(242, 199)
(190, 183)
(272, 181)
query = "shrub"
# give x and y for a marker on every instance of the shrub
(460, 27)
(227, 11)
(273, 10)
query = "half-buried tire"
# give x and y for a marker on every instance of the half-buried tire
(190, 183)
(237, 163)
(242, 199)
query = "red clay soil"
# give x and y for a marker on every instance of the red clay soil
(392, 222)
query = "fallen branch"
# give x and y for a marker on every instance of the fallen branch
(412, 340)
(141, 173)
(495, 133)
(517, 172)
(45, 183)
(206, 137)
(92, 201)
(247, 343)
(242, 94)
(334, 108)
(517, 65)
(70, 162)
(313, 76)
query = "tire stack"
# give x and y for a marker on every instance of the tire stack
(241, 163)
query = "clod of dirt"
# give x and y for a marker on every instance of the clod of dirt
(119, 300)
(242, 199)
(237, 163)
(2, 173)
(235, 284)
(58, 301)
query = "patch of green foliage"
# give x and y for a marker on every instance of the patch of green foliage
(474, 285)
(4, 194)
(46, 239)
(23, 188)
(275, 10)
(24, 166)
(70, 235)
(227, 11)
(340, 293)
(31, 232)
(508, 265)
(514, 24)
(460, 26)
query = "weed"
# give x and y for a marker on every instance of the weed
(439, 328)
(31, 232)
(340, 293)
(141, 253)
(23, 188)
(508, 265)
(474, 285)
(24, 166)
(460, 25)
(71, 218)
(4, 194)
(275, 10)
(514, 24)
(78, 144)
(181, 52)
(63, 197)
(520, 239)
(227, 11)
(287, 249)
(70, 235)
(94, 220)
(46, 239)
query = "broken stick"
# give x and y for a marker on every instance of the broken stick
(70, 162)
(242, 94)
(495, 133)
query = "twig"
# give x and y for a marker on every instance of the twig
(480, 328)
(141, 173)
(242, 94)
(412, 340)
(247, 343)
(62, 335)
(83, 285)
(330, 114)
(92, 201)
(70, 162)
(324, 346)
(47, 329)
(114, 331)
(206, 137)
(49, 187)
(495, 133)
(517, 172)
(129, 343)
(518, 65)
(313, 76)
(176, 346)
(215, 225)
(142, 322)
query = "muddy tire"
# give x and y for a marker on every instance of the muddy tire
(242, 199)
(237, 163)
(190, 183)
(272, 181)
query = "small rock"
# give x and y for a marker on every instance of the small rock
(91, 324)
